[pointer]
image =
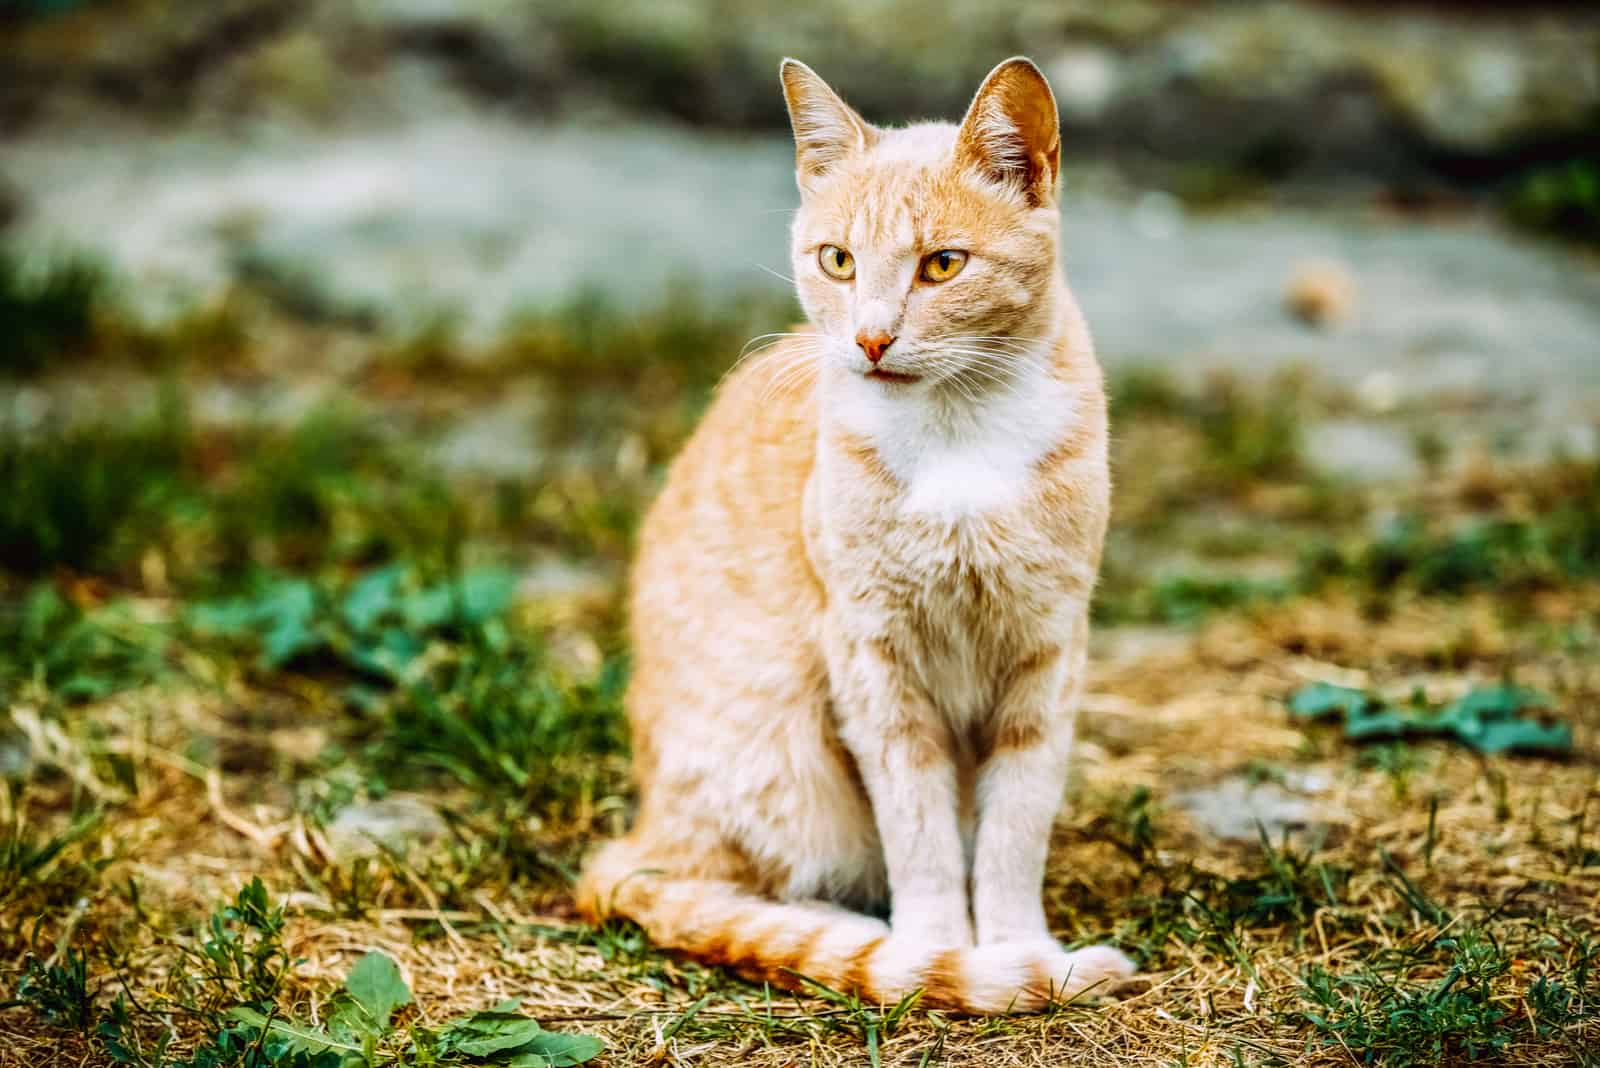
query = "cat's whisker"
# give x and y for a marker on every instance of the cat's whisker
(774, 273)
(763, 343)
(958, 374)
(999, 368)
(1019, 344)
(1001, 380)
(789, 374)
(777, 335)
(1026, 338)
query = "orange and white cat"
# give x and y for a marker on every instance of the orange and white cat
(860, 605)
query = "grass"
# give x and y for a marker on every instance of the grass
(47, 310)
(66, 498)
(230, 648)
(1562, 201)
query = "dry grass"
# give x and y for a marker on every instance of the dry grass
(1477, 837)
(1437, 906)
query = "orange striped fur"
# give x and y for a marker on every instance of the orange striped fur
(860, 604)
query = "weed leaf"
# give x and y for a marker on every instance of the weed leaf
(505, 1036)
(375, 985)
(1488, 719)
(1323, 699)
(559, 1050)
(371, 597)
(297, 1037)
(486, 1033)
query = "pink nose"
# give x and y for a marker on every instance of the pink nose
(874, 345)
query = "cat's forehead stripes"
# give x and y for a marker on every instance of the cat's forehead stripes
(912, 212)
(885, 227)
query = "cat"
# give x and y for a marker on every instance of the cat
(859, 607)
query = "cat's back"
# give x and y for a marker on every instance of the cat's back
(727, 523)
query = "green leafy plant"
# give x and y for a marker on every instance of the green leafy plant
(242, 955)
(60, 992)
(361, 1031)
(1489, 719)
(377, 625)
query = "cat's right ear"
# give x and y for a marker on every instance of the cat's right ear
(826, 129)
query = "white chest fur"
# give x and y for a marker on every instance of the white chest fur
(957, 457)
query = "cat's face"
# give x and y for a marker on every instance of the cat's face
(927, 254)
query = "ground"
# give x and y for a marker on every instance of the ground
(351, 650)
(341, 347)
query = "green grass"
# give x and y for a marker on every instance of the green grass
(1438, 991)
(318, 616)
(70, 497)
(98, 498)
(502, 723)
(1441, 1001)
(75, 653)
(1559, 543)
(1562, 201)
(48, 310)
(42, 872)
(1246, 433)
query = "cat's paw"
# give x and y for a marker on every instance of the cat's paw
(1008, 977)
(1090, 970)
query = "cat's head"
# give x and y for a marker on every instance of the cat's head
(928, 252)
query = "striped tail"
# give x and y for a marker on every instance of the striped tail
(723, 923)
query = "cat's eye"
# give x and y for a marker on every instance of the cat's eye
(836, 262)
(943, 265)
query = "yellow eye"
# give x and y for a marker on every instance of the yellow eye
(943, 265)
(836, 262)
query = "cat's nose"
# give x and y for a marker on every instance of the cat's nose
(874, 345)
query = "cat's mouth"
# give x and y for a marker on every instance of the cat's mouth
(881, 375)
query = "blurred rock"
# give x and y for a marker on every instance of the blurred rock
(396, 822)
(1085, 80)
(501, 440)
(16, 754)
(1362, 450)
(565, 582)
(1240, 809)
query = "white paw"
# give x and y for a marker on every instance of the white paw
(1009, 977)
(1091, 969)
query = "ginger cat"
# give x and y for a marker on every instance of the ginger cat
(860, 605)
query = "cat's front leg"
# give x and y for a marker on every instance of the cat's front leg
(905, 754)
(1020, 784)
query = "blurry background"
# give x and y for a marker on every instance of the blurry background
(343, 343)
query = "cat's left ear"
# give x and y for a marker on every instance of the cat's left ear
(1011, 131)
